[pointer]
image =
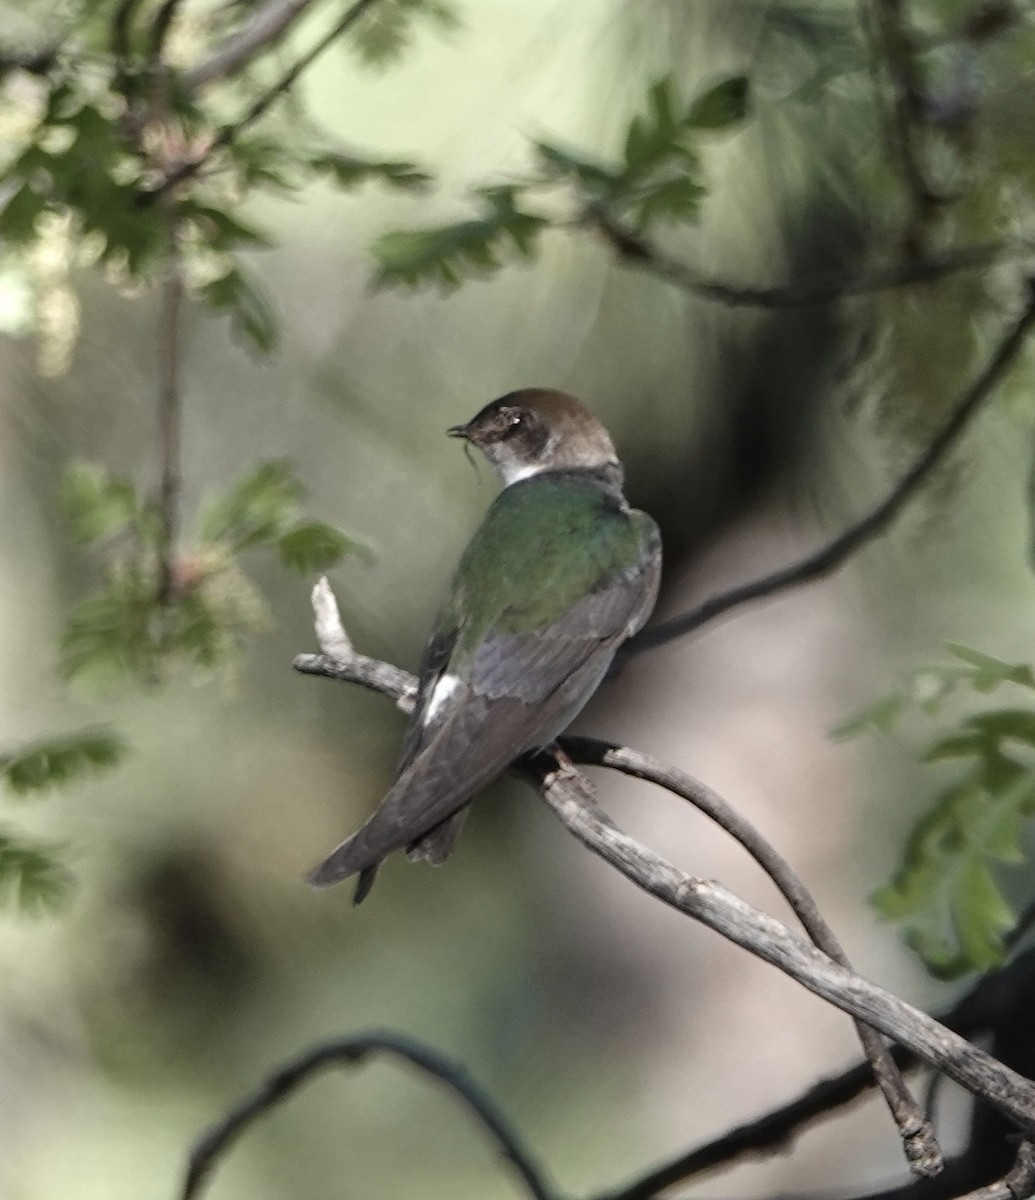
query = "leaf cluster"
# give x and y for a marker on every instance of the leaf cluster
(32, 877)
(200, 608)
(657, 180)
(947, 890)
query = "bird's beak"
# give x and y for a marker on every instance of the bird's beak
(459, 431)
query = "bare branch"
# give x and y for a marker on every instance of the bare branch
(711, 904)
(189, 168)
(160, 27)
(727, 914)
(921, 1146)
(1017, 1184)
(265, 26)
(170, 403)
(638, 251)
(341, 661)
(974, 1013)
(835, 553)
(350, 1052)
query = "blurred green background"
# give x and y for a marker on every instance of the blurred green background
(192, 958)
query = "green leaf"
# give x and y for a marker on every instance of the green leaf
(349, 171)
(675, 199)
(19, 214)
(312, 546)
(219, 230)
(249, 310)
(992, 671)
(99, 505)
(446, 255)
(56, 761)
(386, 29)
(879, 717)
(980, 916)
(31, 878)
(258, 508)
(721, 106)
(558, 162)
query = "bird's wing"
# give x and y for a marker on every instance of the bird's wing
(520, 692)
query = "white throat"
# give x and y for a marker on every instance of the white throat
(514, 473)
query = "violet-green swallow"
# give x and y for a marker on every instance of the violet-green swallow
(559, 574)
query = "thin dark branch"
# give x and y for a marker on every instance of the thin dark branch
(835, 553)
(893, 47)
(1017, 1184)
(639, 252)
(973, 1014)
(121, 26)
(160, 27)
(350, 1052)
(265, 26)
(226, 135)
(169, 418)
(918, 1137)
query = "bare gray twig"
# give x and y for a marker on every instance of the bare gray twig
(1017, 1184)
(975, 1013)
(350, 1052)
(835, 553)
(720, 910)
(919, 1141)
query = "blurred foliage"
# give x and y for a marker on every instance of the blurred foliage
(946, 890)
(657, 181)
(129, 628)
(32, 877)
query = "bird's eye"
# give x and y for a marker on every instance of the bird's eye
(513, 420)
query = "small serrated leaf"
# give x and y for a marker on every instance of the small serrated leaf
(31, 877)
(55, 761)
(881, 717)
(312, 546)
(97, 503)
(257, 508)
(249, 310)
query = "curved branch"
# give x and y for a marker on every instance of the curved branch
(227, 134)
(720, 910)
(265, 26)
(974, 1013)
(350, 1052)
(921, 1146)
(637, 251)
(835, 553)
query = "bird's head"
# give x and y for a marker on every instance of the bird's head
(534, 430)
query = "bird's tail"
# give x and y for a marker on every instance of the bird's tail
(438, 843)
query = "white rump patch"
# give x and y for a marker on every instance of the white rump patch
(440, 693)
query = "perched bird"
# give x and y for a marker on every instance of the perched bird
(559, 574)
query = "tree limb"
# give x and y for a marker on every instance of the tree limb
(637, 251)
(835, 553)
(170, 404)
(973, 1014)
(266, 24)
(190, 167)
(918, 1137)
(355, 1051)
(725, 913)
